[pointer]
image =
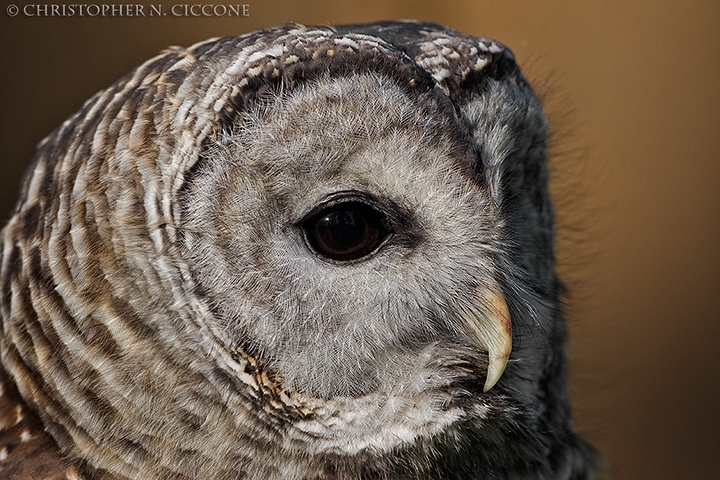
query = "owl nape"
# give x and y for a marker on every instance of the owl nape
(299, 253)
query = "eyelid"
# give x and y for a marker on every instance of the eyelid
(348, 196)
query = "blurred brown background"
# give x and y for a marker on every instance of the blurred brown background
(634, 94)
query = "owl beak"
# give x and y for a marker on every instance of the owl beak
(491, 328)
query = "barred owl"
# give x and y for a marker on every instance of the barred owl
(304, 252)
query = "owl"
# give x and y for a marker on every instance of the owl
(299, 253)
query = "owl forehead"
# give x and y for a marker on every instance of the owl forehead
(250, 67)
(336, 116)
(362, 133)
(234, 72)
(328, 97)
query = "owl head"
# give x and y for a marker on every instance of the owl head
(304, 252)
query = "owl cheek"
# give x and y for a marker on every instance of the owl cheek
(487, 321)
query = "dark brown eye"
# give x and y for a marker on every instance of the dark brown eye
(346, 231)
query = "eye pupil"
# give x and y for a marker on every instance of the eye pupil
(345, 227)
(345, 231)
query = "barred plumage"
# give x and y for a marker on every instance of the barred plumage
(167, 311)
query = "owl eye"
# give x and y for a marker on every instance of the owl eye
(345, 231)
